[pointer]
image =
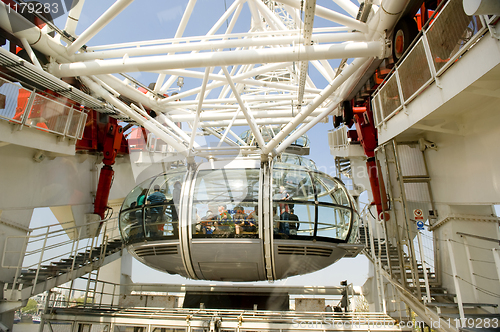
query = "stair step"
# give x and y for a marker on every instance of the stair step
(442, 294)
(469, 305)
(63, 264)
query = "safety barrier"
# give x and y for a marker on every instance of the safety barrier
(24, 107)
(442, 43)
(337, 138)
(473, 279)
(43, 247)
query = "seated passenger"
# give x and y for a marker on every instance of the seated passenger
(244, 223)
(224, 224)
(207, 224)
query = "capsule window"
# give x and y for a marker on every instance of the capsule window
(131, 199)
(293, 203)
(225, 203)
(333, 222)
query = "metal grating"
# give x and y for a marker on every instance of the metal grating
(450, 32)
(411, 160)
(10, 104)
(74, 123)
(55, 327)
(304, 250)
(376, 109)
(389, 96)
(337, 138)
(417, 192)
(414, 72)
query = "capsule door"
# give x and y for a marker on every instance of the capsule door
(225, 228)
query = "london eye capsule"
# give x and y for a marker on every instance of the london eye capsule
(240, 220)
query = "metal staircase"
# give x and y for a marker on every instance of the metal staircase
(389, 257)
(52, 271)
(395, 247)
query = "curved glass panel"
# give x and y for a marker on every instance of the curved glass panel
(333, 222)
(162, 205)
(131, 213)
(341, 196)
(149, 210)
(270, 132)
(225, 203)
(293, 203)
(290, 159)
(293, 220)
(131, 199)
(353, 238)
(308, 163)
(293, 159)
(309, 204)
(130, 229)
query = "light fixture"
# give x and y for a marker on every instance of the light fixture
(180, 81)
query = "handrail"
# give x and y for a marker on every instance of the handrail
(394, 93)
(49, 234)
(480, 237)
(337, 138)
(46, 251)
(45, 113)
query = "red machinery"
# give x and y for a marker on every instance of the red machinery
(103, 135)
(366, 135)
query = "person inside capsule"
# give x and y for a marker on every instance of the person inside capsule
(305, 205)
(156, 199)
(224, 224)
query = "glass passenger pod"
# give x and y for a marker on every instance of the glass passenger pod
(209, 223)
(299, 146)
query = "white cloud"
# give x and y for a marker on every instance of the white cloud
(170, 13)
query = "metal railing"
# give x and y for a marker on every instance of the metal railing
(337, 138)
(44, 245)
(442, 43)
(473, 279)
(105, 295)
(199, 320)
(45, 113)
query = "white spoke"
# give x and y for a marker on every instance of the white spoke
(257, 66)
(100, 23)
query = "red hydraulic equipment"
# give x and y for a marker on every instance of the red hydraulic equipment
(111, 143)
(367, 137)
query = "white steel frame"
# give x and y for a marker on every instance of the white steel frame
(263, 86)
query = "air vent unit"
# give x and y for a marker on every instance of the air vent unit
(304, 250)
(170, 249)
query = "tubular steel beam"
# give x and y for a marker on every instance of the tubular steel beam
(255, 56)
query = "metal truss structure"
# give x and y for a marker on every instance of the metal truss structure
(270, 75)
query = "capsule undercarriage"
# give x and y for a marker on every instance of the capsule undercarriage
(239, 220)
